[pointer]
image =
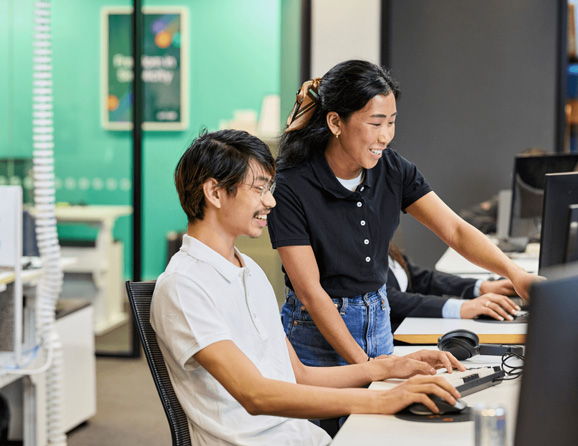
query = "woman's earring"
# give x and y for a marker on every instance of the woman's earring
(337, 135)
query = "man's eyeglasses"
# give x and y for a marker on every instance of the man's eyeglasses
(269, 186)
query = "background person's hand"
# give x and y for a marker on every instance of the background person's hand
(504, 287)
(494, 305)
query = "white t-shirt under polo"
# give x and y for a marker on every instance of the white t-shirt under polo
(200, 299)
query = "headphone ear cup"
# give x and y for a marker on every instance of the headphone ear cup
(459, 348)
(463, 344)
(466, 335)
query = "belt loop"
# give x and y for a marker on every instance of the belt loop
(288, 293)
(344, 302)
(383, 295)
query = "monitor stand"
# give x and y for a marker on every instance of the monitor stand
(503, 216)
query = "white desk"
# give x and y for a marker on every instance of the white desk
(31, 275)
(453, 263)
(379, 430)
(104, 261)
(415, 330)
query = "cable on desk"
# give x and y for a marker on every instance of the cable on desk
(23, 370)
(33, 351)
(512, 371)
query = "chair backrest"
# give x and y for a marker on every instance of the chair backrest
(139, 296)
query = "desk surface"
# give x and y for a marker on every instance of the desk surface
(89, 213)
(29, 275)
(453, 263)
(414, 330)
(378, 430)
(92, 213)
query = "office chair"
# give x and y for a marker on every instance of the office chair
(139, 296)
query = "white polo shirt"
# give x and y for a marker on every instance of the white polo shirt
(202, 298)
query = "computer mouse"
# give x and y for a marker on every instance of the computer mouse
(485, 317)
(443, 406)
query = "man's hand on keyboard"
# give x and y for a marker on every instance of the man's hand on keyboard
(437, 359)
(494, 305)
(403, 367)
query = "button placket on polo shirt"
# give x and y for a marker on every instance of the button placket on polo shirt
(251, 305)
(364, 240)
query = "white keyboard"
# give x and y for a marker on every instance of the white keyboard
(474, 380)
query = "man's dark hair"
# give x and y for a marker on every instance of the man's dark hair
(224, 155)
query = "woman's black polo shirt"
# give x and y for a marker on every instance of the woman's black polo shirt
(349, 232)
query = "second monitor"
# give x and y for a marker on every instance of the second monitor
(560, 194)
(528, 190)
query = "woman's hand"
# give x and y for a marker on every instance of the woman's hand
(523, 281)
(494, 305)
(416, 390)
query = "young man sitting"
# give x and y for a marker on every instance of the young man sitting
(217, 321)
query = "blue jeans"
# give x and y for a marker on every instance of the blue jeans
(366, 317)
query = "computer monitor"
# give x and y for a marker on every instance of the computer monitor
(11, 300)
(560, 192)
(18, 172)
(548, 398)
(528, 190)
(572, 245)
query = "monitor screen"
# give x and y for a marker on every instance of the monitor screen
(528, 190)
(560, 192)
(548, 398)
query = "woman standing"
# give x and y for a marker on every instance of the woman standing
(339, 193)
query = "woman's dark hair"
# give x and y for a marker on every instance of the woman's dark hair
(344, 89)
(224, 155)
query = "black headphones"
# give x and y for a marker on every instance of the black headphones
(464, 344)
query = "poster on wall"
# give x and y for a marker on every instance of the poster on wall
(164, 68)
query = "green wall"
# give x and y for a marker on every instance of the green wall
(15, 78)
(234, 61)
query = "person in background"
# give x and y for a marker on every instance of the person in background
(217, 322)
(414, 291)
(340, 190)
